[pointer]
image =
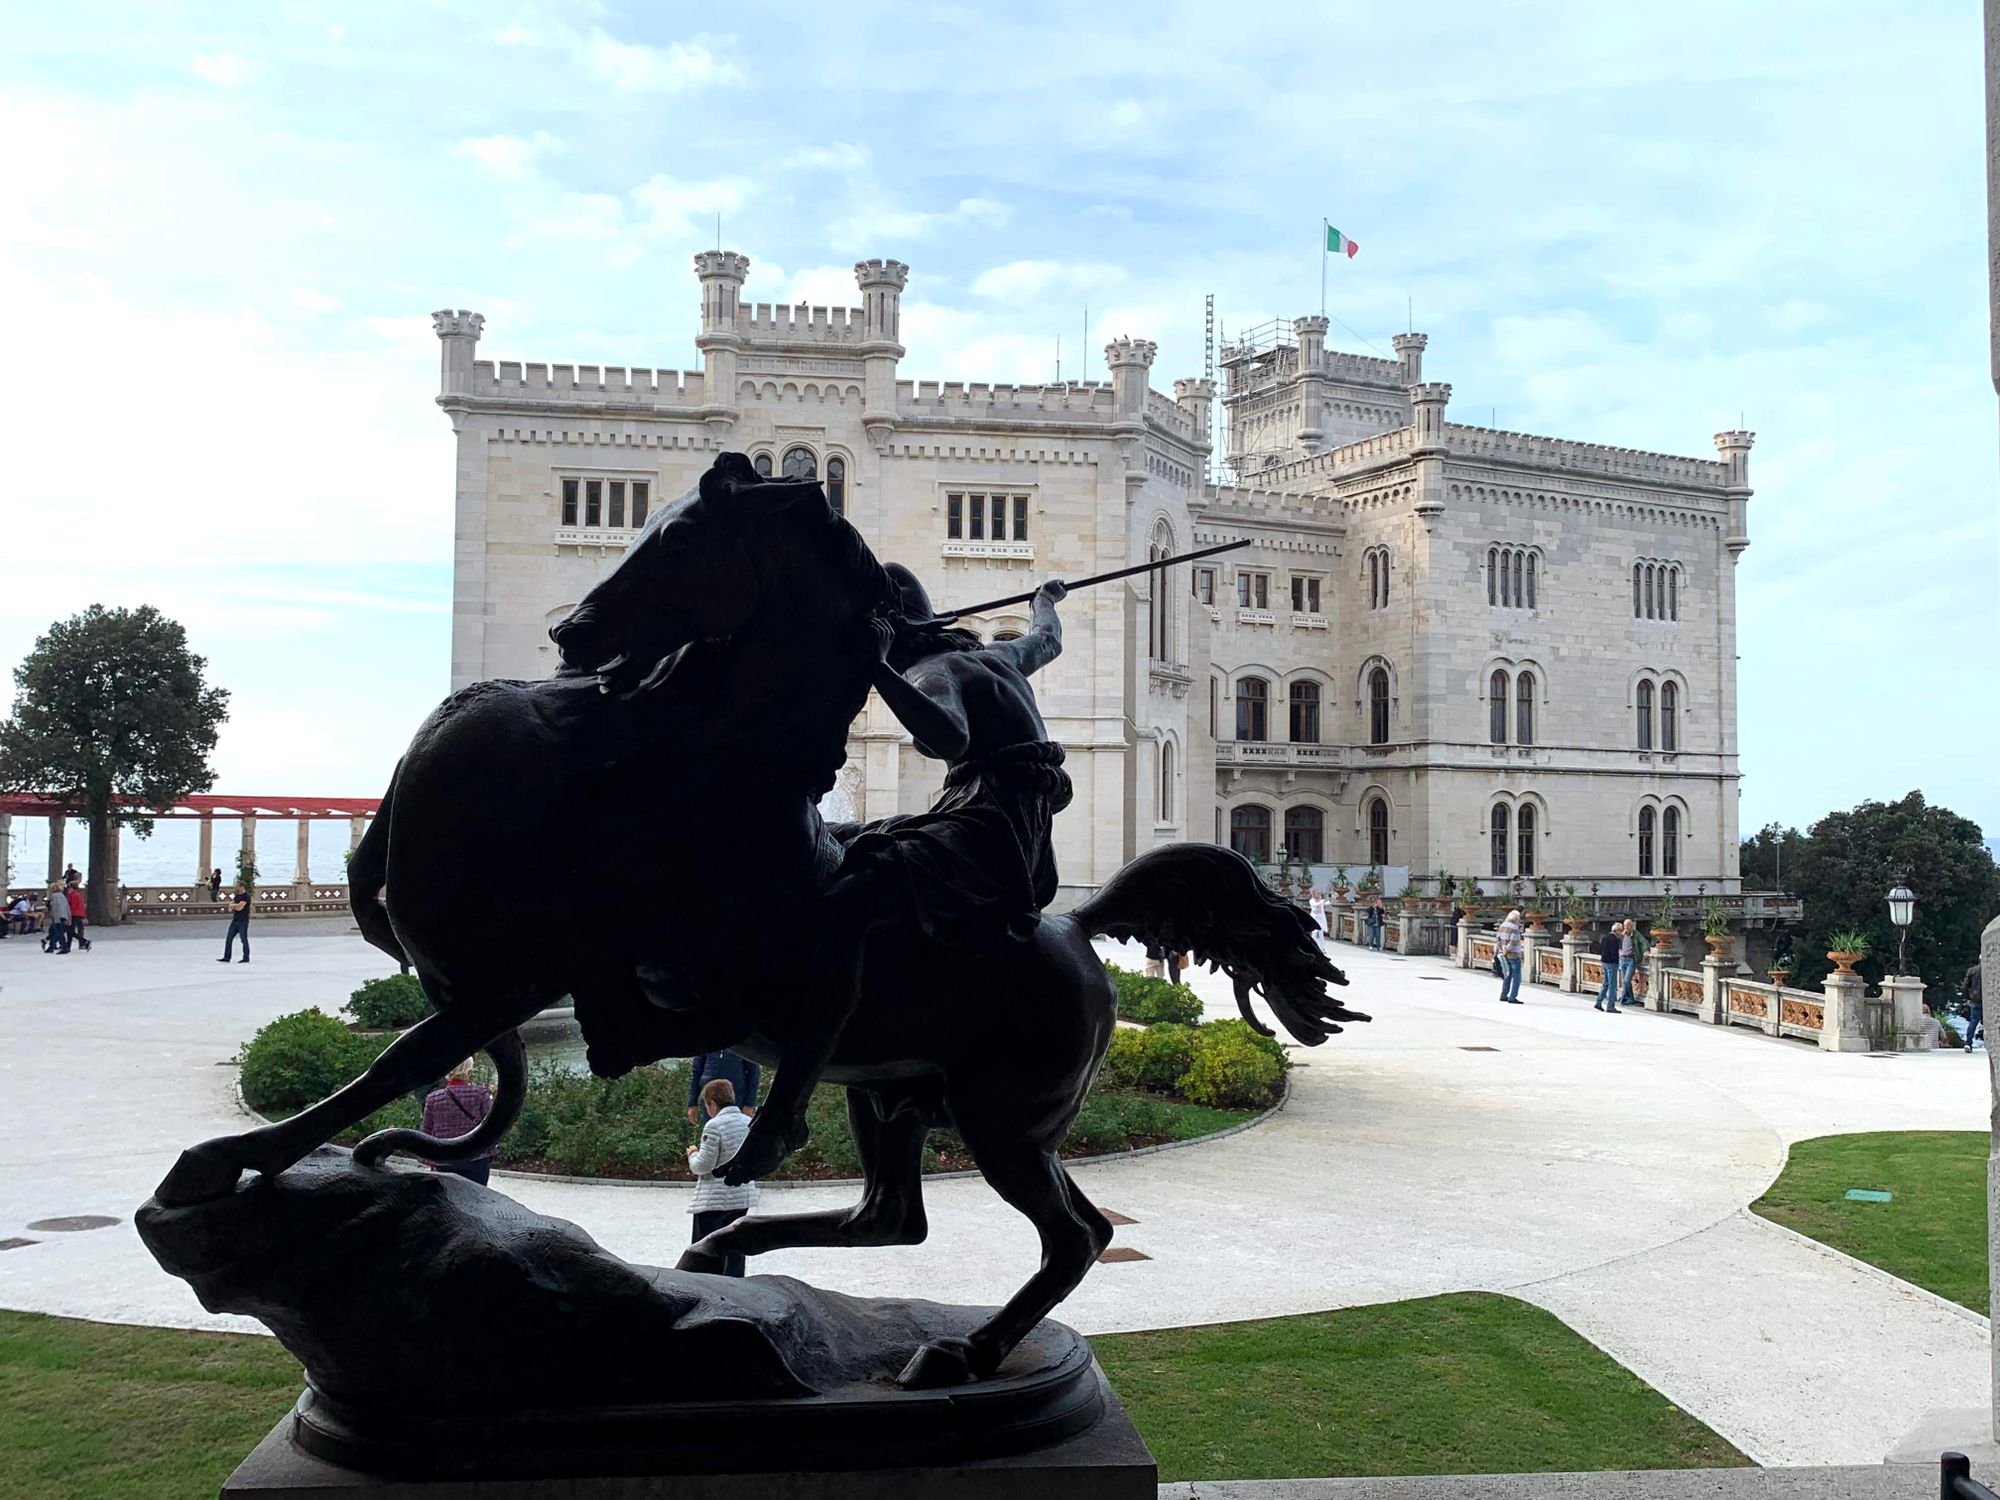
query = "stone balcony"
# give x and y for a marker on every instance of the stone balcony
(1241, 753)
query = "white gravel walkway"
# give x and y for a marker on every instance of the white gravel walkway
(1596, 1166)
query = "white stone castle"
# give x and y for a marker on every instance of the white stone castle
(1446, 648)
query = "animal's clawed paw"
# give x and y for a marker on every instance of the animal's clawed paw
(203, 1172)
(939, 1363)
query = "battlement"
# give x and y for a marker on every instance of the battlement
(587, 383)
(1089, 399)
(1257, 364)
(1172, 416)
(801, 324)
(1250, 502)
(1586, 458)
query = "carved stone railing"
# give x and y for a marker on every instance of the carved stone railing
(1684, 992)
(154, 902)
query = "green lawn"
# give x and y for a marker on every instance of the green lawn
(1463, 1384)
(132, 1413)
(1933, 1231)
(1459, 1384)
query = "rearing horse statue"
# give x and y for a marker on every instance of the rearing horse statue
(673, 790)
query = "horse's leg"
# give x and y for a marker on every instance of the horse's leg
(828, 995)
(1030, 1176)
(889, 1129)
(421, 1054)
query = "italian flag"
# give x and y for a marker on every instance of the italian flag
(1339, 244)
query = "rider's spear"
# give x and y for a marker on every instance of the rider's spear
(1084, 583)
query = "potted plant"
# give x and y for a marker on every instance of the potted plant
(1538, 905)
(1780, 971)
(1341, 887)
(1715, 927)
(1663, 930)
(1371, 883)
(1576, 916)
(1846, 949)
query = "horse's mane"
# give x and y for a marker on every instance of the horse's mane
(858, 560)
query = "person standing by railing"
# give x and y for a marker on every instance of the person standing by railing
(239, 925)
(1607, 959)
(1507, 953)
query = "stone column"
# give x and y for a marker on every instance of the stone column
(1572, 961)
(56, 822)
(302, 872)
(357, 826)
(1906, 1012)
(1715, 972)
(249, 844)
(1664, 954)
(6, 851)
(1465, 941)
(1533, 939)
(204, 859)
(1846, 1022)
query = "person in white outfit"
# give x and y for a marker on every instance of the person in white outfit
(715, 1202)
(1319, 911)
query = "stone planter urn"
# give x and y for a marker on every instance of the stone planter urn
(1538, 921)
(1664, 935)
(1843, 963)
(1575, 925)
(1718, 944)
(1779, 974)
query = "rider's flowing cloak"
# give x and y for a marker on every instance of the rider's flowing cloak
(979, 866)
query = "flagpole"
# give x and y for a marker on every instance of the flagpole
(1324, 224)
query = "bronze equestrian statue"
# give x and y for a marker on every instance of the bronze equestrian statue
(670, 771)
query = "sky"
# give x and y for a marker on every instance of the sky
(225, 227)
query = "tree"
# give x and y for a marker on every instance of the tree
(111, 704)
(1843, 869)
(1771, 858)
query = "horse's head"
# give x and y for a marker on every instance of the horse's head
(705, 568)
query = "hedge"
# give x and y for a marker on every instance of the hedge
(1148, 1001)
(1221, 1064)
(391, 1003)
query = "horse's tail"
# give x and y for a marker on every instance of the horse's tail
(1207, 900)
(368, 872)
(510, 1061)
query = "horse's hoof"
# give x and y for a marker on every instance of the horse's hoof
(694, 1258)
(202, 1173)
(939, 1363)
(764, 1150)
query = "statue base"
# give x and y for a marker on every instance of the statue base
(1106, 1461)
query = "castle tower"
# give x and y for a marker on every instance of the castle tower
(1410, 350)
(1129, 359)
(1735, 450)
(1197, 399)
(721, 273)
(1427, 404)
(1311, 333)
(458, 330)
(881, 283)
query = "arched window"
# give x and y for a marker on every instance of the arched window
(1652, 592)
(1531, 580)
(1166, 781)
(1378, 831)
(1305, 834)
(1520, 565)
(800, 463)
(1645, 841)
(1524, 830)
(1378, 706)
(836, 483)
(1524, 709)
(1250, 832)
(1305, 713)
(1374, 577)
(1506, 580)
(1492, 575)
(1673, 593)
(1214, 692)
(1637, 574)
(1499, 839)
(1645, 696)
(1670, 841)
(1253, 709)
(1382, 578)
(1670, 702)
(1159, 607)
(1496, 708)
(762, 464)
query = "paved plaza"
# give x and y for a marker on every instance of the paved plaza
(1597, 1166)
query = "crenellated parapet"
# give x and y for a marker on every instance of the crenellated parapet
(1528, 450)
(542, 384)
(458, 331)
(1734, 446)
(1088, 401)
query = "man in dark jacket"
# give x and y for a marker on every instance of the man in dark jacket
(744, 1076)
(1607, 958)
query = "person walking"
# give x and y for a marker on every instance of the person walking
(454, 1109)
(715, 1203)
(1318, 904)
(1607, 959)
(1507, 953)
(743, 1075)
(1975, 1005)
(1628, 960)
(239, 925)
(57, 940)
(1374, 924)
(74, 896)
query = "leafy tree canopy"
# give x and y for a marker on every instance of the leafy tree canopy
(1843, 867)
(111, 703)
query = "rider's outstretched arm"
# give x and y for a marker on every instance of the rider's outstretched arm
(1042, 643)
(932, 711)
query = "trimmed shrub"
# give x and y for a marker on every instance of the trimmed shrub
(390, 1003)
(301, 1058)
(1147, 1001)
(1234, 1068)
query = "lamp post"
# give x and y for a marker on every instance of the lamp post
(1902, 907)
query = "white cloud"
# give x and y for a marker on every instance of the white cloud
(312, 301)
(226, 69)
(510, 158)
(1021, 279)
(838, 157)
(885, 224)
(639, 67)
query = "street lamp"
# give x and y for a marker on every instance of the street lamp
(1902, 907)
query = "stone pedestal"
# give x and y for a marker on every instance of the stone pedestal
(1714, 1002)
(1572, 946)
(1465, 942)
(1906, 1012)
(1108, 1462)
(1846, 1028)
